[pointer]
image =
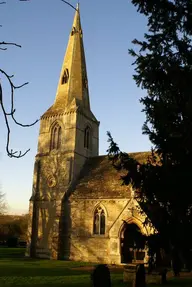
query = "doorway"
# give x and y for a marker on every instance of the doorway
(132, 244)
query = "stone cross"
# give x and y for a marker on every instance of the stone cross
(132, 192)
(132, 209)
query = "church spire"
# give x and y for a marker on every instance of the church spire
(73, 84)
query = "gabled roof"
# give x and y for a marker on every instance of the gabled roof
(99, 179)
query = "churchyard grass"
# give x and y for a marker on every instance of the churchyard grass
(17, 271)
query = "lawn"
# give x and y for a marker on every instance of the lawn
(15, 270)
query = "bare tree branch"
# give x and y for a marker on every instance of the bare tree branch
(66, 2)
(13, 87)
(3, 46)
(4, 2)
(9, 43)
(10, 153)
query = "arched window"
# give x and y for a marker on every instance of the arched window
(96, 223)
(56, 136)
(65, 77)
(102, 222)
(99, 221)
(59, 138)
(74, 30)
(87, 137)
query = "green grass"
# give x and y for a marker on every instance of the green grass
(12, 253)
(15, 270)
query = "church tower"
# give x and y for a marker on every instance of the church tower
(68, 137)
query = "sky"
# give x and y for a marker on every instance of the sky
(42, 28)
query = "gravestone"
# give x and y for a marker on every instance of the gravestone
(176, 262)
(140, 280)
(101, 276)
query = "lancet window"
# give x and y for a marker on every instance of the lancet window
(87, 137)
(74, 30)
(65, 77)
(56, 135)
(99, 221)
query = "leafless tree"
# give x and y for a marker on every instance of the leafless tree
(3, 205)
(9, 78)
(11, 113)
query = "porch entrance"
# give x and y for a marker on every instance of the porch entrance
(132, 244)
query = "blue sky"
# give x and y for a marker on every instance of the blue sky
(42, 27)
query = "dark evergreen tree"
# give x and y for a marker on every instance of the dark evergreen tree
(163, 68)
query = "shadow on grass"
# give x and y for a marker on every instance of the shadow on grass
(12, 253)
(174, 282)
(187, 282)
(13, 263)
(33, 271)
(16, 269)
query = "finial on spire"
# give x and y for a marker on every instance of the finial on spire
(77, 8)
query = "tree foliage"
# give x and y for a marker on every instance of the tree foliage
(13, 226)
(163, 68)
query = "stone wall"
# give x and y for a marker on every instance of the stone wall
(86, 246)
(54, 173)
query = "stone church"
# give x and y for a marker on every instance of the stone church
(79, 210)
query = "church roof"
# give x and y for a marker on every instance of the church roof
(99, 179)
